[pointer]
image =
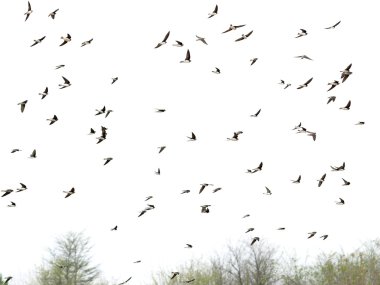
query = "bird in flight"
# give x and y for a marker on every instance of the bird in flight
(324, 237)
(114, 79)
(256, 114)
(320, 181)
(107, 160)
(311, 234)
(27, 13)
(114, 228)
(33, 154)
(86, 42)
(174, 274)
(59, 66)
(235, 137)
(298, 180)
(331, 99)
(302, 33)
(303, 57)
(101, 111)
(255, 239)
(161, 148)
(187, 58)
(53, 120)
(346, 73)
(203, 186)
(185, 191)
(232, 28)
(189, 281)
(305, 84)
(23, 188)
(6, 279)
(340, 202)
(205, 209)
(312, 134)
(38, 41)
(69, 193)
(158, 110)
(346, 183)
(15, 150)
(65, 84)
(213, 13)
(268, 191)
(216, 71)
(259, 168)
(6, 192)
(347, 107)
(45, 93)
(52, 14)
(216, 189)
(333, 26)
(178, 44)
(12, 204)
(158, 171)
(148, 198)
(338, 168)
(360, 123)
(250, 230)
(122, 283)
(243, 36)
(333, 84)
(65, 39)
(193, 137)
(164, 40)
(22, 105)
(203, 40)
(253, 60)
(188, 246)
(281, 229)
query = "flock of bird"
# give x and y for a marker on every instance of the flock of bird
(205, 209)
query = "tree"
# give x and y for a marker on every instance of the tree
(69, 263)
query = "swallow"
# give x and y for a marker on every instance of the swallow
(137, 261)
(320, 181)
(232, 28)
(311, 234)
(164, 40)
(15, 150)
(253, 60)
(340, 202)
(259, 168)
(69, 193)
(65, 39)
(114, 79)
(178, 44)
(193, 137)
(23, 187)
(108, 112)
(331, 99)
(86, 42)
(27, 13)
(185, 191)
(255, 239)
(160, 110)
(213, 13)
(52, 14)
(148, 198)
(235, 137)
(92, 131)
(243, 36)
(174, 274)
(65, 84)
(324, 237)
(333, 26)
(305, 84)
(158, 171)
(346, 183)
(187, 58)
(6, 192)
(45, 93)
(161, 148)
(282, 82)
(281, 229)
(304, 56)
(268, 191)
(205, 209)
(6, 280)
(246, 216)
(216, 189)
(312, 134)
(114, 228)
(141, 213)
(347, 107)
(59, 66)
(101, 111)
(346, 73)
(203, 40)
(360, 123)
(53, 120)
(298, 180)
(338, 168)
(22, 105)
(12, 204)
(150, 207)
(203, 186)
(107, 159)
(38, 41)
(216, 71)
(33, 154)
(333, 84)
(301, 130)
(188, 246)
(287, 85)
(189, 281)
(256, 114)
(302, 33)
(250, 230)
(122, 283)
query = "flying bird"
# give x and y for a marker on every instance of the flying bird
(216, 189)
(38, 41)
(160, 110)
(6, 279)
(346, 183)
(15, 150)
(243, 36)
(114, 228)
(320, 181)
(281, 229)
(12, 204)
(347, 107)
(6, 192)
(232, 28)
(65, 84)
(65, 39)
(59, 66)
(86, 42)
(178, 44)
(312, 134)
(305, 84)
(101, 111)
(346, 73)
(23, 187)
(142, 213)
(114, 79)
(333, 84)
(235, 137)
(203, 40)
(287, 85)
(174, 274)
(331, 99)
(298, 180)
(302, 33)
(122, 283)
(158, 171)
(205, 209)
(22, 105)
(213, 13)
(268, 191)
(216, 71)
(360, 123)
(304, 56)
(33, 154)
(148, 198)
(69, 193)
(338, 168)
(256, 114)
(108, 112)
(27, 13)
(203, 186)
(53, 120)
(259, 168)
(187, 58)
(333, 26)
(193, 137)
(324, 237)
(188, 246)
(253, 60)
(189, 281)
(52, 14)
(161, 148)
(107, 159)
(185, 191)
(250, 230)
(164, 40)
(246, 216)
(92, 131)
(255, 239)
(45, 93)
(311, 234)
(340, 202)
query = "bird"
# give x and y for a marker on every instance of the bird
(253, 60)
(22, 105)
(114, 228)
(141, 213)
(250, 230)
(268, 191)
(216, 71)
(311, 234)
(302, 33)
(324, 237)
(59, 66)
(86, 42)
(148, 198)
(333, 26)
(114, 79)
(189, 281)
(107, 159)
(281, 229)
(287, 85)
(305, 84)
(92, 131)
(338, 168)
(160, 110)
(298, 180)
(333, 84)
(174, 274)
(69, 193)
(38, 41)
(137, 261)
(304, 56)
(65, 39)
(235, 137)
(232, 28)
(158, 171)
(65, 84)
(193, 137)
(255, 239)
(347, 107)
(6, 279)
(53, 120)
(320, 181)
(23, 187)
(203, 186)
(108, 112)
(188, 246)
(282, 82)
(256, 114)
(203, 40)
(164, 40)
(243, 36)
(33, 154)
(346, 73)
(178, 44)
(331, 99)
(246, 216)
(15, 150)
(216, 189)
(27, 13)
(187, 58)
(259, 168)
(12, 204)
(340, 202)
(185, 191)
(52, 14)
(161, 148)
(6, 192)
(45, 93)
(360, 123)
(205, 209)
(122, 283)
(101, 111)
(312, 134)
(213, 13)
(346, 183)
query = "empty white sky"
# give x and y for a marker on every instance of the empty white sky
(212, 106)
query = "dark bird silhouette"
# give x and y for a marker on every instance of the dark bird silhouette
(148, 198)
(6, 192)
(360, 123)
(189, 281)
(59, 66)
(92, 131)
(188, 246)
(158, 171)
(22, 105)
(243, 36)
(164, 40)
(161, 148)
(302, 33)
(256, 114)
(253, 60)
(346, 73)
(213, 13)
(160, 110)
(23, 188)
(250, 230)
(216, 189)
(185, 191)
(346, 183)
(259, 168)
(205, 209)
(203, 186)
(320, 181)
(65, 40)
(255, 239)
(107, 160)
(86, 42)
(69, 193)
(311, 234)
(114, 228)
(187, 58)
(216, 71)
(33, 154)
(305, 84)
(52, 14)
(45, 93)
(304, 56)
(101, 111)
(281, 229)
(268, 191)
(333, 84)
(30, 11)
(232, 28)
(15, 150)
(174, 274)
(66, 83)
(338, 168)
(246, 216)
(347, 107)
(114, 79)
(178, 44)
(38, 41)
(340, 202)
(52, 120)
(298, 180)
(235, 137)
(203, 40)
(193, 137)
(122, 283)
(12, 204)
(324, 237)
(7, 279)
(333, 26)
(331, 99)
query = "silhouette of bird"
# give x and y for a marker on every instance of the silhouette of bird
(33, 154)
(213, 13)
(69, 193)
(66, 83)
(333, 26)
(243, 36)
(304, 56)
(298, 180)
(268, 191)
(6, 279)
(174, 274)
(216, 189)
(253, 60)
(52, 120)
(15, 150)
(30, 11)
(259, 168)
(216, 71)
(52, 14)
(12, 204)
(45, 93)
(338, 168)
(311, 234)
(331, 99)
(324, 237)
(255, 239)
(86, 42)
(250, 230)
(114, 228)
(107, 160)
(65, 40)
(333, 84)
(205, 209)
(256, 114)
(23, 188)
(193, 137)
(346, 183)
(320, 181)
(302, 33)
(232, 28)
(203, 40)
(164, 40)
(114, 79)
(22, 105)
(340, 202)
(187, 58)
(185, 191)
(38, 41)
(178, 44)
(122, 283)
(6, 192)
(347, 107)
(203, 186)
(188, 246)
(346, 73)
(305, 84)
(235, 137)
(161, 148)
